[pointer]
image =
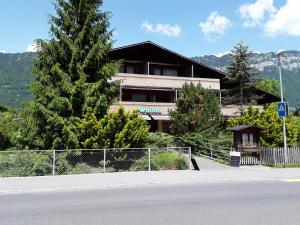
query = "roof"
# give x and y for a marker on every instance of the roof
(244, 127)
(148, 44)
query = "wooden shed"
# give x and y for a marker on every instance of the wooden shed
(246, 138)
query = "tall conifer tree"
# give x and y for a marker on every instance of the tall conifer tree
(72, 72)
(241, 77)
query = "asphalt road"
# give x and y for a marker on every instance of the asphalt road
(231, 203)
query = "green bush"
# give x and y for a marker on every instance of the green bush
(162, 161)
(170, 161)
(158, 140)
(26, 164)
(83, 168)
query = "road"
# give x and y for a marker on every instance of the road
(234, 203)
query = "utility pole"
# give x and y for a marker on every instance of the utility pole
(279, 53)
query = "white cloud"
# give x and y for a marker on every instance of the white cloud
(32, 47)
(165, 29)
(2, 51)
(285, 21)
(254, 14)
(215, 25)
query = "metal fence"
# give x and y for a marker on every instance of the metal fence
(86, 161)
(276, 157)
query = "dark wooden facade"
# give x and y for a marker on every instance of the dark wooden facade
(246, 138)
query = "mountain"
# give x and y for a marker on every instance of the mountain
(266, 64)
(15, 74)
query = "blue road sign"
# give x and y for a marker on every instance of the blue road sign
(282, 109)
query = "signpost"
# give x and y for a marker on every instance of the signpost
(282, 107)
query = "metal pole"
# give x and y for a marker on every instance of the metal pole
(53, 163)
(149, 159)
(190, 158)
(283, 119)
(104, 160)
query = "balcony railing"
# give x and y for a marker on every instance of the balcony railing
(158, 81)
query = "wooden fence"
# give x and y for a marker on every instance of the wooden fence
(247, 160)
(276, 156)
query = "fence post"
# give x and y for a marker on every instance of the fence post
(104, 161)
(274, 156)
(53, 163)
(211, 152)
(149, 159)
(190, 158)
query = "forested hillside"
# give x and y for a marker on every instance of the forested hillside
(15, 75)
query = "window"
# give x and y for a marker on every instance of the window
(130, 69)
(168, 72)
(122, 69)
(157, 71)
(249, 140)
(139, 97)
(245, 139)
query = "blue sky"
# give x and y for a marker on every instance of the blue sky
(190, 27)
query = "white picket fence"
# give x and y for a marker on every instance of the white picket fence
(276, 156)
(247, 160)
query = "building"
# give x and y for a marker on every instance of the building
(247, 138)
(152, 76)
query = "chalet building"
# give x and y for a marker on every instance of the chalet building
(152, 76)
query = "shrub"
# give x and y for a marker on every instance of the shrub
(119, 129)
(170, 160)
(162, 161)
(158, 140)
(83, 168)
(26, 164)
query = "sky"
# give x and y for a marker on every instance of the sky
(189, 27)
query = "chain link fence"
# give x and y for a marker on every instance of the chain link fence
(86, 161)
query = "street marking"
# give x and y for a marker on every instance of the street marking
(292, 180)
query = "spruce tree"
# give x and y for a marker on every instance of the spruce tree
(72, 72)
(197, 109)
(240, 78)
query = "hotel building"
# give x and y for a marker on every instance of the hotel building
(152, 76)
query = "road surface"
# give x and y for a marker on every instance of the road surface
(234, 203)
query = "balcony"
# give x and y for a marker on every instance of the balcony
(158, 81)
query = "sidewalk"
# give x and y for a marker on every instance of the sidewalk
(17, 185)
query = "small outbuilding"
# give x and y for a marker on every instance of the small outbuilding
(246, 138)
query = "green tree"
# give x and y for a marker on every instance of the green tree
(240, 77)
(270, 85)
(272, 124)
(296, 120)
(197, 109)
(72, 72)
(8, 128)
(118, 129)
